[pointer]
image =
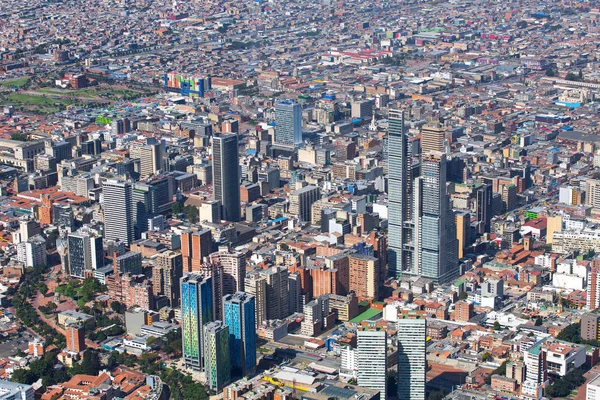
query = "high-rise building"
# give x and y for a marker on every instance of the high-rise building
(277, 292)
(196, 311)
(32, 253)
(85, 253)
(483, 206)
(592, 193)
(399, 251)
(226, 178)
(195, 247)
(372, 359)
(434, 237)
(463, 231)
(233, 265)
(150, 157)
(301, 201)
(128, 263)
(166, 276)
(365, 276)
(433, 137)
(75, 335)
(412, 365)
(589, 326)
(288, 119)
(509, 197)
(593, 286)
(256, 285)
(210, 211)
(239, 316)
(118, 215)
(217, 357)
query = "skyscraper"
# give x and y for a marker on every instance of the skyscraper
(166, 276)
(412, 365)
(277, 292)
(434, 237)
(226, 179)
(432, 137)
(196, 311)
(85, 253)
(288, 117)
(239, 316)
(372, 359)
(233, 264)
(399, 256)
(256, 285)
(118, 215)
(483, 205)
(217, 358)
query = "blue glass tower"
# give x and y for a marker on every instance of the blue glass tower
(239, 316)
(196, 311)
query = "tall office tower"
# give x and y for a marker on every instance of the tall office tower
(226, 178)
(166, 275)
(85, 253)
(195, 247)
(75, 335)
(196, 311)
(210, 211)
(217, 358)
(412, 365)
(593, 286)
(372, 359)
(277, 292)
(399, 249)
(301, 201)
(483, 207)
(141, 201)
(288, 119)
(239, 316)
(256, 285)
(463, 231)
(150, 156)
(434, 237)
(536, 371)
(233, 266)
(433, 138)
(117, 204)
(32, 253)
(509, 197)
(296, 299)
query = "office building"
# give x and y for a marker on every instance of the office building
(463, 231)
(434, 236)
(128, 263)
(589, 326)
(166, 275)
(217, 357)
(277, 292)
(362, 109)
(399, 250)
(195, 248)
(117, 204)
(301, 201)
(288, 119)
(593, 389)
(483, 207)
(86, 253)
(592, 193)
(372, 359)
(412, 363)
(226, 179)
(196, 311)
(239, 316)
(32, 253)
(16, 391)
(75, 335)
(150, 157)
(433, 137)
(210, 211)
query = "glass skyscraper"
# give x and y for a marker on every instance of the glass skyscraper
(288, 117)
(239, 316)
(434, 237)
(217, 359)
(412, 365)
(196, 311)
(399, 228)
(226, 177)
(118, 211)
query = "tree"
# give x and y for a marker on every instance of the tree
(463, 296)
(43, 288)
(522, 24)
(19, 136)
(550, 72)
(486, 357)
(117, 307)
(90, 364)
(191, 213)
(176, 208)
(23, 376)
(496, 326)
(539, 321)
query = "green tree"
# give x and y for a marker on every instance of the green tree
(117, 307)
(496, 326)
(191, 213)
(19, 136)
(43, 288)
(486, 357)
(176, 208)
(463, 296)
(539, 321)
(23, 376)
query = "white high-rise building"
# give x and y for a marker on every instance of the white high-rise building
(32, 253)
(593, 389)
(372, 359)
(118, 215)
(288, 116)
(412, 364)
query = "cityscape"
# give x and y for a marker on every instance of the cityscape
(299, 200)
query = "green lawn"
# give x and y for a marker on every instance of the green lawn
(36, 104)
(16, 83)
(102, 92)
